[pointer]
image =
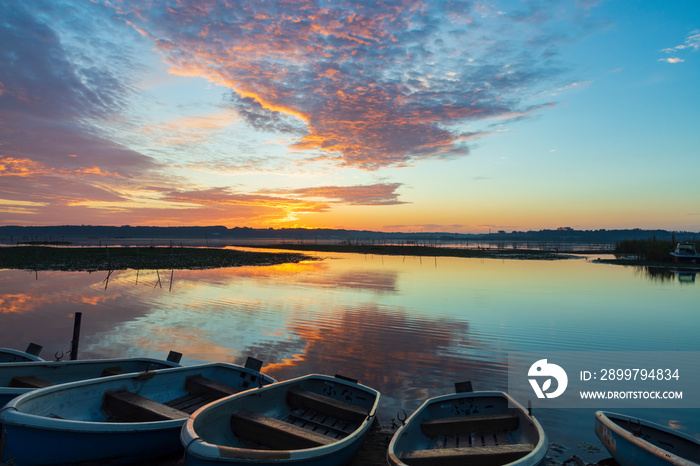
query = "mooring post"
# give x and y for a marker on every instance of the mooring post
(76, 336)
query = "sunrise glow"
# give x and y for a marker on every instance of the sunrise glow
(408, 116)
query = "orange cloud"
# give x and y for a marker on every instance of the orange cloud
(24, 167)
(376, 194)
(10, 166)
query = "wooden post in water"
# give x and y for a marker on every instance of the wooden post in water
(76, 336)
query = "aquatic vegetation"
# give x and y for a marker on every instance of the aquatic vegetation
(652, 250)
(118, 258)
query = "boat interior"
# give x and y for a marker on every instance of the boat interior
(126, 406)
(480, 431)
(675, 444)
(481, 440)
(313, 420)
(142, 397)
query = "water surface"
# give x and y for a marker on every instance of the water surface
(408, 326)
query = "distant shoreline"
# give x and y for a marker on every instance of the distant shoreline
(504, 254)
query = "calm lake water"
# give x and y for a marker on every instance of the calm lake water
(407, 326)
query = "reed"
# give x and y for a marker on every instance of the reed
(118, 258)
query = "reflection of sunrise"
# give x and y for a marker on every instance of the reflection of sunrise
(409, 116)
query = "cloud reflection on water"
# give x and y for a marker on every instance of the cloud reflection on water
(410, 328)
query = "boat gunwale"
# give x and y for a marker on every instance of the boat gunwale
(11, 415)
(206, 451)
(7, 390)
(87, 362)
(607, 419)
(538, 453)
(29, 357)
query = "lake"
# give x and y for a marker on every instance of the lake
(407, 326)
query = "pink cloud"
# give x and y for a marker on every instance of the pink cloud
(363, 85)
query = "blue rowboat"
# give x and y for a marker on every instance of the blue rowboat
(316, 420)
(636, 442)
(119, 419)
(21, 377)
(486, 428)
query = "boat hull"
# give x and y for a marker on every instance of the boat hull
(635, 442)
(72, 423)
(336, 458)
(688, 258)
(211, 437)
(445, 429)
(33, 445)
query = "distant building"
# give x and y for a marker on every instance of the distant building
(565, 229)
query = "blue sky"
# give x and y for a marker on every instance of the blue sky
(392, 115)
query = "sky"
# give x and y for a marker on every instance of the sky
(390, 115)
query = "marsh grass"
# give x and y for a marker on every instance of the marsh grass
(652, 250)
(148, 258)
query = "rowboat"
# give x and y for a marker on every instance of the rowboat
(21, 377)
(485, 428)
(636, 442)
(13, 355)
(315, 420)
(119, 419)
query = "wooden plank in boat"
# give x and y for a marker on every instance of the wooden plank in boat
(29, 381)
(501, 438)
(450, 441)
(489, 439)
(327, 425)
(474, 456)
(482, 423)
(126, 406)
(474, 439)
(189, 403)
(203, 386)
(274, 433)
(114, 370)
(304, 399)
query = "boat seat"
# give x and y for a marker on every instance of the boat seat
(474, 456)
(482, 423)
(126, 406)
(114, 370)
(199, 385)
(275, 434)
(29, 381)
(323, 404)
(188, 403)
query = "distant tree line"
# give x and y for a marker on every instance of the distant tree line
(65, 232)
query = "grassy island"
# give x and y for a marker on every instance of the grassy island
(143, 258)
